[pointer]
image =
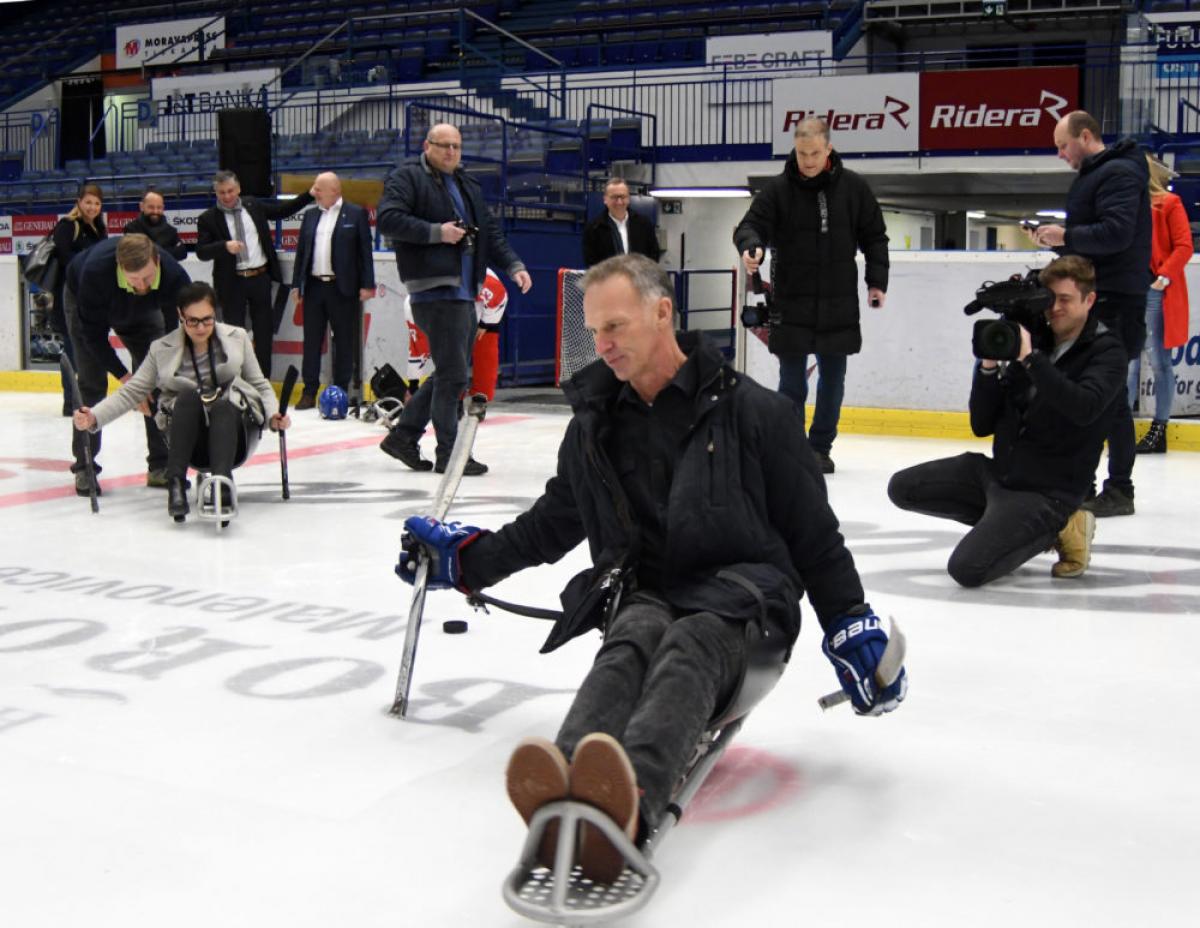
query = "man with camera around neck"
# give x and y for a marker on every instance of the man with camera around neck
(1048, 412)
(445, 238)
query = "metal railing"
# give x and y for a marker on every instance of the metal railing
(1125, 87)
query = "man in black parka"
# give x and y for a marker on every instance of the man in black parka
(816, 215)
(697, 487)
(1048, 413)
(1108, 222)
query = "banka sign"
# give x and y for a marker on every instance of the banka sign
(865, 113)
(993, 109)
(1009, 108)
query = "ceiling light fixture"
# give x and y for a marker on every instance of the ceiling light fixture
(704, 193)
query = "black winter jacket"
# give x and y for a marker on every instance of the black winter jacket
(814, 278)
(1049, 420)
(1108, 218)
(747, 499)
(101, 304)
(415, 204)
(162, 233)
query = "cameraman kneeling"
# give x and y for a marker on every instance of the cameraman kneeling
(1048, 412)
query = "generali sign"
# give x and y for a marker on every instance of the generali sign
(1003, 108)
(995, 109)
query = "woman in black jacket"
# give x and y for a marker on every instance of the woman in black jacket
(77, 231)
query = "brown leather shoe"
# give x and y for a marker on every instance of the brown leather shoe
(307, 401)
(536, 776)
(603, 777)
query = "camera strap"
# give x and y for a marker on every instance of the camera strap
(206, 395)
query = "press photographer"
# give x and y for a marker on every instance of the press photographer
(1048, 409)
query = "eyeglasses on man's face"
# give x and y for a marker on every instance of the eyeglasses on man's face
(198, 322)
(450, 146)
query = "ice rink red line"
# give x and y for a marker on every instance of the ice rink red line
(267, 457)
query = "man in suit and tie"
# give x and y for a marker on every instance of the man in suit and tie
(618, 231)
(334, 273)
(235, 237)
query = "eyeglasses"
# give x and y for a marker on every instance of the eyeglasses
(194, 322)
(453, 146)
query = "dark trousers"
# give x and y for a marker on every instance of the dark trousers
(252, 295)
(831, 388)
(1008, 526)
(1125, 315)
(657, 681)
(93, 383)
(449, 325)
(58, 324)
(324, 305)
(216, 441)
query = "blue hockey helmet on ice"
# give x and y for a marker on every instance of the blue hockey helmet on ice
(333, 403)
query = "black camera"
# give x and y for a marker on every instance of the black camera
(1020, 301)
(758, 315)
(472, 233)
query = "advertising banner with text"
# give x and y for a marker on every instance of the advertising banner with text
(995, 108)
(773, 50)
(866, 113)
(145, 41)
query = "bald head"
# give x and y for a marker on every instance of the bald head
(443, 147)
(326, 189)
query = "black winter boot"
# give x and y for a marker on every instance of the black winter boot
(177, 504)
(1155, 440)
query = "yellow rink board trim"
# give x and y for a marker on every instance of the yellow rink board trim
(1182, 435)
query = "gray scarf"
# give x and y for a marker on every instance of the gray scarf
(238, 227)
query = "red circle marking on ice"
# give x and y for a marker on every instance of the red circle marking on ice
(744, 782)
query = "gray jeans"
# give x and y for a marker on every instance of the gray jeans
(657, 681)
(450, 327)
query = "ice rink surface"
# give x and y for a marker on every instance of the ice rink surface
(193, 726)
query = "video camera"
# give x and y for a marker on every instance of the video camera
(761, 314)
(1021, 301)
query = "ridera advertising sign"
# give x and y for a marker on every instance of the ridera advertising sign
(865, 113)
(995, 109)
(992, 109)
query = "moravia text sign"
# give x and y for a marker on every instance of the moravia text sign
(1002, 108)
(995, 109)
(149, 42)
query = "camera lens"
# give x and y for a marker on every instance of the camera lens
(998, 340)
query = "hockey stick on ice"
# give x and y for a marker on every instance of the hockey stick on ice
(890, 664)
(441, 505)
(285, 400)
(68, 370)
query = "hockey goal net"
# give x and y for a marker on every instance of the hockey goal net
(574, 348)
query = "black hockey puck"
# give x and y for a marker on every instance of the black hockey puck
(455, 626)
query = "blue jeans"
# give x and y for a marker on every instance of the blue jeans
(831, 387)
(450, 327)
(1160, 360)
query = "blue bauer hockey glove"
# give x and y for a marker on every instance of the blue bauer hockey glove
(874, 679)
(441, 542)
